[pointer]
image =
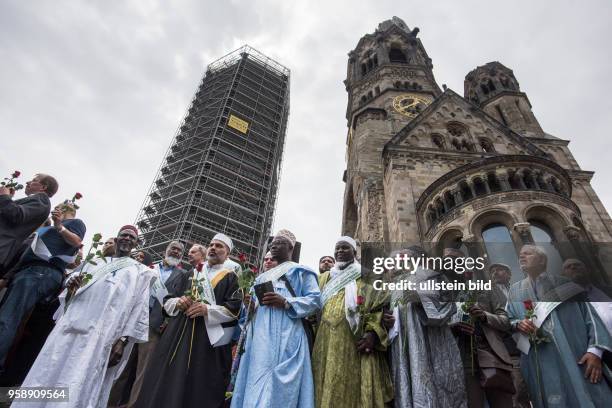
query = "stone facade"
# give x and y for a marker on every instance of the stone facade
(429, 165)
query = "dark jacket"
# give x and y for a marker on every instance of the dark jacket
(18, 220)
(156, 315)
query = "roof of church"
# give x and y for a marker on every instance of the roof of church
(448, 94)
(385, 25)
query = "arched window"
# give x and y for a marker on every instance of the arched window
(541, 183)
(466, 146)
(528, 179)
(431, 215)
(437, 141)
(486, 145)
(479, 187)
(449, 199)
(491, 86)
(396, 55)
(456, 129)
(493, 182)
(466, 191)
(513, 179)
(543, 237)
(364, 69)
(555, 185)
(440, 206)
(500, 248)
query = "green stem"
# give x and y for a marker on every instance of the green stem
(537, 361)
(178, 342)
(191, 342)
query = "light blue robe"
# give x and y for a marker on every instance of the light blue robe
(275, 368)
(573, 327)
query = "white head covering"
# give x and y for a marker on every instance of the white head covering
(288, 235)
(268, 255)
(348, 240)
(225, 239)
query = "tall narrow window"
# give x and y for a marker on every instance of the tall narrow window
(396, 55)
(500, 249)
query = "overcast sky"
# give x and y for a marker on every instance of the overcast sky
(92, 92)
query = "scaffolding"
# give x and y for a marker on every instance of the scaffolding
(222, 170)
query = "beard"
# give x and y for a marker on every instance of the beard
(343, 264)
(172, 261)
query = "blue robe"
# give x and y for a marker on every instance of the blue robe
(275, 368)
(573, 328)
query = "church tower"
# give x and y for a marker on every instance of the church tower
(389, 82)
(434, 168)
(494, 89)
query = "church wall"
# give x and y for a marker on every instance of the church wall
(407, 178)
(429, 134)
(595, 218)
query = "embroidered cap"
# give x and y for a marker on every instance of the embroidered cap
(288, 235)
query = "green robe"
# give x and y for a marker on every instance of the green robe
(344, 377)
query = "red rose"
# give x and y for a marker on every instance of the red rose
(78, 196)
(242, 257)
(199, 267)
(254, 269)
(16, 173)
(360, 300)
(528, 304)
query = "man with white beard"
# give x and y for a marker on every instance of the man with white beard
(168, 273)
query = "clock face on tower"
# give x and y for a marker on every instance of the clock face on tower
(410, 104)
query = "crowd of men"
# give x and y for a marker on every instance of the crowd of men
(129, 333)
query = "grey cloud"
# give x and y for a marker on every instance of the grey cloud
(93, 92)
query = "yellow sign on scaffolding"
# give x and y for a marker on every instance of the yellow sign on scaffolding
(238, 124)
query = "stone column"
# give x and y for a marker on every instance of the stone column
(485, 180)
(504, 184)
(522, 229)
(535, 181)
(472, 189)
(549, 185)
(521, 181)
(457, 194)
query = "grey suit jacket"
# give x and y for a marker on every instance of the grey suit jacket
(497, 323)
(18, 220)
(156, 314)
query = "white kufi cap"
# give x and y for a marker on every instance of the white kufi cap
(225, 239)
(348, 240)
